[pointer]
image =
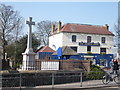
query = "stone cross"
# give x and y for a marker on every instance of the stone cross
(30, 23)
(29, 55)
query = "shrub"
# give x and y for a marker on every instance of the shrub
(95, 73)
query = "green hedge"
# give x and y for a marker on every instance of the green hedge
(95, 73)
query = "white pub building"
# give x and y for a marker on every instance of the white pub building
(91, 42)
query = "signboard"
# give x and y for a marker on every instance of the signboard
(89, 44)
(49, 65)
(59, 52)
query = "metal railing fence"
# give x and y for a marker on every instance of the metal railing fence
(50, 79)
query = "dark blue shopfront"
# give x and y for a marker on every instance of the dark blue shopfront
(100, 59)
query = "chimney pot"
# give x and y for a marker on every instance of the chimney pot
(53, 28)
(59, 25)
(107, 26)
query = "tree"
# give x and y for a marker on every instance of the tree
(21, 45)
(10, 21)
(117, 37)
(43, 31)
(17, 36)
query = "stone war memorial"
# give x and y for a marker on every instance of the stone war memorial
(29, 56)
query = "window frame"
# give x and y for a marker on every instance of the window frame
(88, 48)
(103, 39)
(74, 38)
(103, 50)
(89, 39)
(74, 48)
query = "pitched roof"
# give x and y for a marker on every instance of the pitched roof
(45, 49)
(66, 50)
(84, 28)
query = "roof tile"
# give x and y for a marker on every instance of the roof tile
(45, 49)
(84, 28)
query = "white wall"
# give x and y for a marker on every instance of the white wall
(55, 41)
(49, 65)
(65, 39)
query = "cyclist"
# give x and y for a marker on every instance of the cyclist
(114, 66)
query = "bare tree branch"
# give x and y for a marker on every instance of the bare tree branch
(9, 22)
(43, 31)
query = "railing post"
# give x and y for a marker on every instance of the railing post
(0, 81)
(80, 79)
(20, 81)
(52, 80)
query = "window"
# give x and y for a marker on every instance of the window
(103, 40)
(88, 58)
(103, 62)
(54, 47)
(88, 39)
(74, 48)
(73, 38)
(88, 48)
(103, 50)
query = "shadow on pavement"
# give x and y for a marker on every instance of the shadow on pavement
(101, 88)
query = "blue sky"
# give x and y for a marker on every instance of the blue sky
(95, 13)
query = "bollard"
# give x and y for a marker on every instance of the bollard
(52, 80)
(81, 79)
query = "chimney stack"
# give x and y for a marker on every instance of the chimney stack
(107, 27)
(53, 28)
(59, 26)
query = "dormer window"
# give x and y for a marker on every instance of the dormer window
(73, 38)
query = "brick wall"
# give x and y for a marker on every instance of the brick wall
(68, 64)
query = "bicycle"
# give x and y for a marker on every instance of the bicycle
(108, 78)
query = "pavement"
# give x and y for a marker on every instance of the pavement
(92, 88)
(83, 85)
(102, 88)
(86, 85)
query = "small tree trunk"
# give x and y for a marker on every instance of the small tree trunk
(4, 44)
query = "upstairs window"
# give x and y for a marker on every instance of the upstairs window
(73, 38)
(103, 40)
(88, 39)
